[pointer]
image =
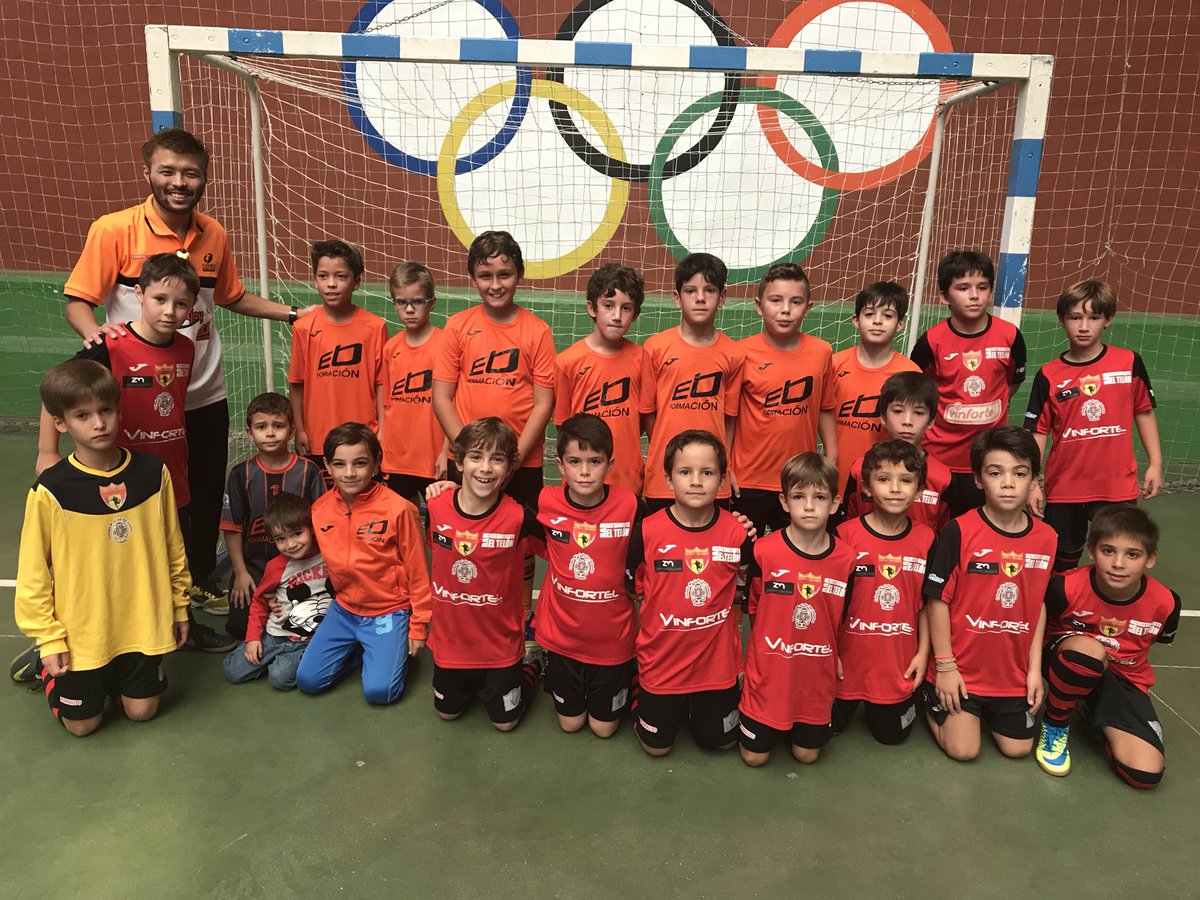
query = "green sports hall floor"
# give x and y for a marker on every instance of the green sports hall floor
(246, 792)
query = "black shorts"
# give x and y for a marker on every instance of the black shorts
(889, 723)
(763, 509)
(410, 487)
(759, 738)
(524, 487)
(81, 694)
(712, 717)
(1116, 703)
(578, 687)
(1070, 522)
(962, 495)
(1006, 716)
(501, 690)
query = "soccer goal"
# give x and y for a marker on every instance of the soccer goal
(410, 134)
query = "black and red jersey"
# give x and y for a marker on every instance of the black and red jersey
(972, 373)
(584, 611)
(994, 583)
(1125, 628)
(476, 571)
(929, 508)
(797, 601)
(879, 636)
(688, 639)
(1088, 410)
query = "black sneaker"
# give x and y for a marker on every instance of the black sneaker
(201, 637)
(24, 667)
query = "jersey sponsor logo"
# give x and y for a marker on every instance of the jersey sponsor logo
(914, 564)
(862, 553)
(1111, 626)
(1063, 384)
(777, 646)
(1090, 385)
(583, 371)
(584, 534)
(889, 566)
(137, 381)
(1096, 431)
(671, 361)
(559, 536)
(843, 373)
(974, 386)
(615, 529)
(373, 532)
(413, 383)
(138, 367)
(779, 573)
(336, 363)
(1139, 628)
(803, 615)
(474, 331)
(113, 495)
(1005, 626)
(465, 542)
(697, 559)
(315, 332)
(445, 528)
(726, 554)
(325, 528)
(1093, 410)
(558, 520)
(698, 392)
(665, 548)
(142, 435)
(464, 570)
(495, 367)
(777, 402)
(443, 540)
(164, 404)
(1008, 594)
(936, 578)
(950, 357)
(1061, 397)
(461, 598)
(835, 588)
(971, 360)
(864, 570)
(119, 530)
(861, 413)
(1011, 563)
(886, 629)
(672, 622)
(984, 552)
(1117, 377)
(495, 540)
(998, 352)
(765, 366)
(698, 591)
(983, 568)
(1037, 561)
(783, 588)
(958, 413)
(579, 594)
(668, 565)
(606, 401)
(581, 566)
(164, 374)
(887, 596)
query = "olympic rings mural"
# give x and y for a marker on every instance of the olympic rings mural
(748, 168)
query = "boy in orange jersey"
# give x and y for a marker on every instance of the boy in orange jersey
(414, 448)
(860, 371)
(787, 397)
(336, 353)
(602, 374)
(693, 372)
(370, 539)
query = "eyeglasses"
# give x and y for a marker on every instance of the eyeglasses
(418, 303)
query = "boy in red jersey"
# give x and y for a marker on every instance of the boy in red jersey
(1102, 621)
(977, 361)
(414, 448)
(883, 647)
(479, 537)
(337, 353)
(1085, 402)
(799, 581)
(984, 585)
(787, 397)
(908, 401)
(860, 371)
(602, 374)
(693, 374)
(370, 539)
(585, 618)
(688, 557)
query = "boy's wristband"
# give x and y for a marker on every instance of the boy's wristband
(293, 315)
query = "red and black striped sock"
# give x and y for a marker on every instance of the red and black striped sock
(1073, 675)
(531, 671)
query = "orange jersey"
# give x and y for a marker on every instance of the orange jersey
(495, 368)
(783, 393)
(411, 435)
(339, 364)
(609, 387)
(856, 405)
(688, 387)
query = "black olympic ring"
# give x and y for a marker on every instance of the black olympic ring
(689, 159)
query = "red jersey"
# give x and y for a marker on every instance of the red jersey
(154, 382)
(856, 405)
(608, 386)
(374, 555)
(688, 640)
(583, 610)
(411, 436)
(688, 387)
(929, 509)
(972, 373)
(879, 637)
(994, 583)
(1088, 409)
(495, 368)
(797, 602)
(1125, 628)
(477, 569)
(783, 394)
(339, 364)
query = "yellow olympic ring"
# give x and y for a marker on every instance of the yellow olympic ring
(542, 90)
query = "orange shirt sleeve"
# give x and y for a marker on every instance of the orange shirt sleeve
(564, 372)
(543, 354)
(298, 365)
(229, 288)
(648, 390)
(98, 265)
(449, 359)
(733, 383)
(828, 401)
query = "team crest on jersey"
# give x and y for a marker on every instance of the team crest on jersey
(164, 374)
(164, 404)
(971, 360)
(1093, 410)
(974, 385)
(582, 566)
(1090, 385)
(887, 596)
(1111, 626)
(584, 534)
(1011, 563)
(889, 566)
(120, 529)
(803, 615)
(1007, 595)
(464, 570)
(113, 495)
(696, 558)
(698, 591)
(808, 585)
(465, 542)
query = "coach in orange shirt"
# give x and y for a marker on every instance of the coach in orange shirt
(176, 169)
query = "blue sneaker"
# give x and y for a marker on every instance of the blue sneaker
(1052, 753)
(24, 667)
